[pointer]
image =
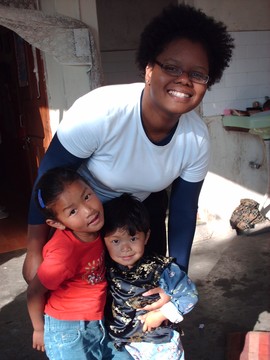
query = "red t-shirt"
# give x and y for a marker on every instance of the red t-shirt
(74, 272)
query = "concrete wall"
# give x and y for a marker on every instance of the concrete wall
(238, 15)
(231, 176)
(120, 25)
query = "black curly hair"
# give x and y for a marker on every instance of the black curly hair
(184, 21)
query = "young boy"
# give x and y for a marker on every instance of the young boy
(130, 273)
(70, 285)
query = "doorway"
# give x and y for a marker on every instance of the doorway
(24, 132)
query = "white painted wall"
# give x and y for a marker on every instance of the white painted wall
(248, 77)
(66, 83)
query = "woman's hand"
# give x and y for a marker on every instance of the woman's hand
(164, 298)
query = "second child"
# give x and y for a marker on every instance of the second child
(130, 273)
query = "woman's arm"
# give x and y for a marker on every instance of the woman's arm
(38, 231)
(36, 299)
(36, 238)
(182, 219)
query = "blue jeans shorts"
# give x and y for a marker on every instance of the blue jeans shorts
(80, 340)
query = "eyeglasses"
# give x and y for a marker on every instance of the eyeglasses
(176, 71)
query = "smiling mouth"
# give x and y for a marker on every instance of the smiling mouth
(94, 220)
(125, 258)
(179, 94)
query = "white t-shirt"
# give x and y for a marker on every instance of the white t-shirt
(107, 131)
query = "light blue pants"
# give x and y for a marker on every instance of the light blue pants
(172, 350)
(80, 340)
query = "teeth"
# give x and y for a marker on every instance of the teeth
(179, 94)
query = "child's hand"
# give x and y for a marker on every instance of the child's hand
(164, 298)
(152, 320)
(38, 340)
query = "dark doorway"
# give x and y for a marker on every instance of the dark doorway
(24, 132)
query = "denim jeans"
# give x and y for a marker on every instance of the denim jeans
(80, 340)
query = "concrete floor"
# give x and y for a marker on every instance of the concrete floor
(233, 279)
(232, 274)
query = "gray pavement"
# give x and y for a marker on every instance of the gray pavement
(233, 279)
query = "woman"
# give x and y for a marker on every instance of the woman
(142, 138)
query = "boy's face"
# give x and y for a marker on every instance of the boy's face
(79, 209)
(126, 249)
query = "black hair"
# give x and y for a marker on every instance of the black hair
(184, 21)
(125, 212)
(51, 185)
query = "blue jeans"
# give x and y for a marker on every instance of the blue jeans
(80, 340)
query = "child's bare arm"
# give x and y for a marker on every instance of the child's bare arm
(36, 298)
(164, 298)
(152, 320)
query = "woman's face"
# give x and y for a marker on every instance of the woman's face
(176, 95)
